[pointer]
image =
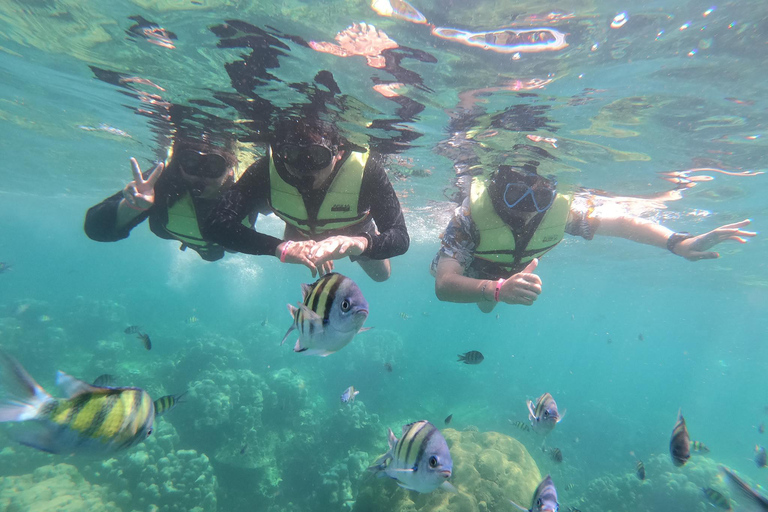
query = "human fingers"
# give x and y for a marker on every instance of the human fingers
(129, 194)
(531, 266)
(737, 225)
(136, 171)
(155, 175)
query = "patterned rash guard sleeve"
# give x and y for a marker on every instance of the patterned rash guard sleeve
(581, 221)
(460, 239)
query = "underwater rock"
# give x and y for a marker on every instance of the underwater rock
(59, 488)
(665, 487)
(157, 476)
(489, 469)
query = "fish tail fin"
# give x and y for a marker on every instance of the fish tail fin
(461, 357)
(21, 398)
(292, 311)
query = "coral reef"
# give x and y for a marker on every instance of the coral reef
(489, 469)
(157, 476)
(666, 487)
(59, 488)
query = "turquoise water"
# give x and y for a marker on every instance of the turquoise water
(262, 428)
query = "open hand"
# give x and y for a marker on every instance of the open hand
(337, 247)
(522, 288)
(359, 39)
(697, 248)
(140, 193)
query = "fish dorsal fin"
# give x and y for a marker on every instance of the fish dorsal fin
(305, 289)
(518, 506)
(73, 387)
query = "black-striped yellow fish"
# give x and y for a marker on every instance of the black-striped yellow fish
(145, 341)
(570, 487)
(167, 402)
(699, 447)
(544, 498)
(419, 460)
(556, 455)
(91, 420)
(716, 498)
(679, 445)
(544, 416)
(640, 470)
(522, 426)
(332, 313)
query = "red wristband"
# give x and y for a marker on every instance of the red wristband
(285, 249)
(498, 289)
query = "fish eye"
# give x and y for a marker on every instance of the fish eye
(538, 502)
(345, 305)
(433, 462)
(149, 432)
(546, 414)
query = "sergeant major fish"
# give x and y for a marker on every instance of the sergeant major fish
(471, 357)
(640, 470)
(544, 417)
(419, 460)
(349, 394)
(91, 420)
(716, 498)
(679, 445)
(167, 402)
(332, 313)
(544, 499)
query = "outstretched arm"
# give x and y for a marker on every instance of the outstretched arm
(650, 233)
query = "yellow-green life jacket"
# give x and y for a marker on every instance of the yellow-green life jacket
(339, 208)
(183, 225)
(498, 243)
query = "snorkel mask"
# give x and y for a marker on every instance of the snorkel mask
(306, 158)
(520, 190)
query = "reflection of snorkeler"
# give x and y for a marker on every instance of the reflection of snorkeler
(175, 196)
(491, 246)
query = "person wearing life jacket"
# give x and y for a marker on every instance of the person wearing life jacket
(509, 220)
(334, 197)
(175, 196)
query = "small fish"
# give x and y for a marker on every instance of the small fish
(168, 402)
(761, 457)
(544, 499)
(419, 461)
(640, 470)
(609, 341)
(521, 425)
(679, 445)
(699, 447)
(44, 318)
(265, 322)
(570, 487)
(641, 337)
(388, 367)
(756, 499)
(4, 267)
(104, 380)
(243, 449)
(545, 416)
(716, 498)
(145, 341)
(191, 320)
(132, 329)
(332, 313)
(556, 455)
(404, 316)
(349, 394)
(761, 428)
(448, 419)
(90, 420)
(471, 357)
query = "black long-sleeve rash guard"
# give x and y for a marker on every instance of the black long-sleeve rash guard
(252, 192)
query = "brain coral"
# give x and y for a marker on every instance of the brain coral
(489, 469)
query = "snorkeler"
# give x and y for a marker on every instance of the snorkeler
(334, 197)
(491, 246)
(175, 196)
